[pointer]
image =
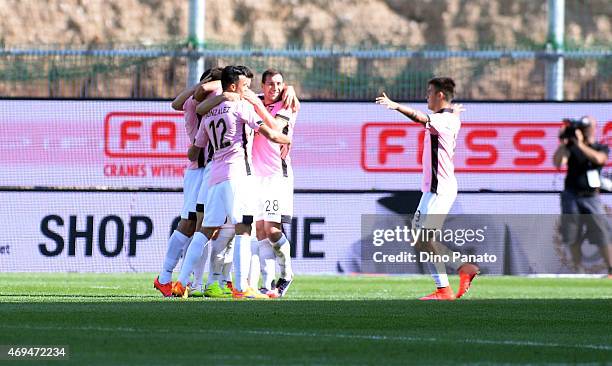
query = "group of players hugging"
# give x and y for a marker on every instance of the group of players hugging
(239, 180)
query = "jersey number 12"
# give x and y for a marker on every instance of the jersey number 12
(218, 140)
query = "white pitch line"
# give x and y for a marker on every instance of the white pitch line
(601, 347)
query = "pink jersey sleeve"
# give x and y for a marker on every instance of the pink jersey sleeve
(191, 119)
(289, 117)
(201, 138)
(251, 118)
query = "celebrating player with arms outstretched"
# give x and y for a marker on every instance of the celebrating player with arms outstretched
(439, 185)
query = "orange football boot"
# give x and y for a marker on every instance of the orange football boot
(441, 294)
(178, 289)
(165, 289)
(467, 273)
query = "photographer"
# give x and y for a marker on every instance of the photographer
(581, 205)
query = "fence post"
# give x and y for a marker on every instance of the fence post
(554, 50)
(197, 11)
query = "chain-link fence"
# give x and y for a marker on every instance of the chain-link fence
(160, 72)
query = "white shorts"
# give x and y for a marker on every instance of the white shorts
(191, 186)
(275, 199)
(203, 190)
(231, 200)
(432, 210)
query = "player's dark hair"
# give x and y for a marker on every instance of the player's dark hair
(444, 85)
(246, 71)
(270, 73)
(214, 73)
(229, 76)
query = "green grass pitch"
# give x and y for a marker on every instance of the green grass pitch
(119, 319)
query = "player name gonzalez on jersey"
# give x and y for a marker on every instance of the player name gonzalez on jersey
(439, 185)
(217, 111)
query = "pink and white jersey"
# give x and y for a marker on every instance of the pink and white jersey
(438, 151)
(193, 125)
(230, 127)
(192, 122)
(267, 154)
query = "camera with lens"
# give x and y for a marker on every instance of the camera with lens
(573, 124)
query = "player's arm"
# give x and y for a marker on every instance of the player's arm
(262, 111)
(211, 103)
(205, 88)
(200, 141)
(177, 103)
(413, 114)
(290, 100)
(273, 135)
(457, 108)
(285, 150)
(193, 152)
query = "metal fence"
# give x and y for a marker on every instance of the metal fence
(160, 72)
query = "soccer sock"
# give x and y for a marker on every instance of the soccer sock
(216, 261)
(227, 264)
(176, 244)
(282, 249)
(267, 261)
(442, 249)
(194, 252)
(242, 261)
(198, 271)
(217, 255)
(226, 274)
(438, 273)
(254, 266)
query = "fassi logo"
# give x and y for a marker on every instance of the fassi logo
(481, 147)
(145, 135)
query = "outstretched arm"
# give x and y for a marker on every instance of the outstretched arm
(457, 108)
(413, 114)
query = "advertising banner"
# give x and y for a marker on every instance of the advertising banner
(337, 146)
(350, 160)
(127, 232)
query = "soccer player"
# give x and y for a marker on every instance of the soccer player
(275, 175)
(219, 283)
(273, 171)
(439, 185)
(187, 101)
(229, 127)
